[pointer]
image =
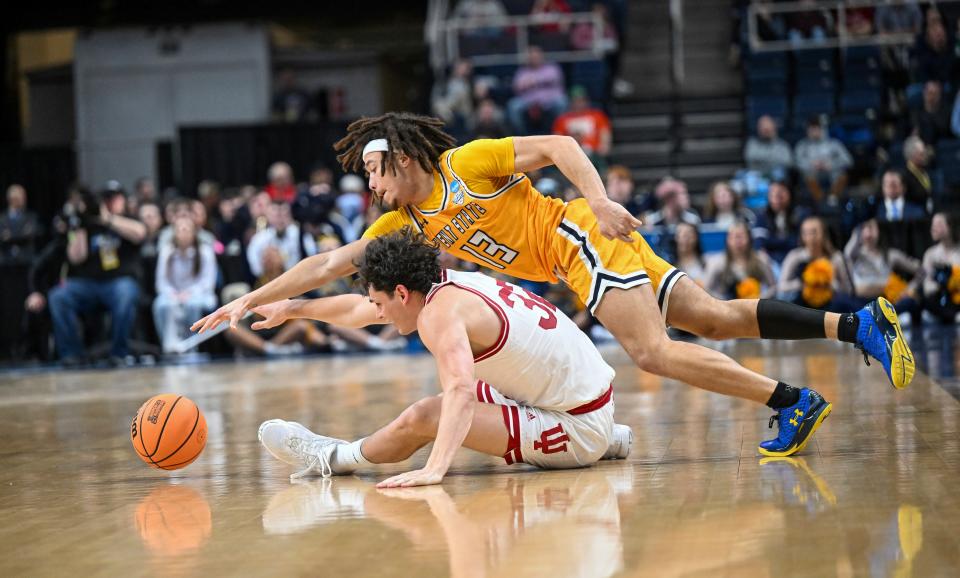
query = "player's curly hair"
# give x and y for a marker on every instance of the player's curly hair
(400, 258)
(421, 138)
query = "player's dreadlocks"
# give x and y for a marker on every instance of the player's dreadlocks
(419, 137)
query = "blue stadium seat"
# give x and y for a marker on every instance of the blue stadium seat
(862, 57)
(822, 58)
(859, 100)
(948, 159)
(766, 88)
(767, 60)
(775, 106)
(814, 80)
(805, 105)
(861, 79)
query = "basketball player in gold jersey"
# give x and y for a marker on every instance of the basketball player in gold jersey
(475, 202)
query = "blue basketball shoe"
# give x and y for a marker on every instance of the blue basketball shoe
(797, 424)
(880, 336)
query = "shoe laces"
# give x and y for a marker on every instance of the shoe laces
(773, 419)
(312, 454)
(863, 350)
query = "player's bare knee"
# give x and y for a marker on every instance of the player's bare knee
(649, 356)
(422, 418)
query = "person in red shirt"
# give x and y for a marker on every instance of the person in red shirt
(588, 125)
(281, 186)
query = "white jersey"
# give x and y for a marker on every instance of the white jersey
(541, 357)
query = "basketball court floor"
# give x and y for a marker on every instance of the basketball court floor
(874, 494)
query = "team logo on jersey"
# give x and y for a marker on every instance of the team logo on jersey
(457, 192)
(531, 416)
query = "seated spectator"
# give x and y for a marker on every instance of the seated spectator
(932, 122)
(489, 121)
(859, 21)
(740, 272)
(724, 207)
(281, 186)
(933, 57)
(940, 286)
(350, 206)
(895, 206)
(184, 208)
(150, 216)
(208, 196)
(898, 18)
(254, 214)
(583, 37)
(186, 278)
(102, 253)
(145, 190)
(452, 99)
(620, 188)
(589, 125)
(688, 255)
(916, 180)
(283, 234)
(674, 205)
(811, 23)
(551, 8)
(291, 103)
(538, 90)
(19, 229)
(778, 224)
(314, 208)
(823, 161)
(873, 270)
(767, 153)
(808, 274)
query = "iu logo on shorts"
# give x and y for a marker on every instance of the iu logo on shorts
(552, 441)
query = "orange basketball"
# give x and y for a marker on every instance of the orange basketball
(169, 431)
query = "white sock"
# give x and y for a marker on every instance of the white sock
(348, 458)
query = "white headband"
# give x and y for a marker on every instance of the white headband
(377, 145)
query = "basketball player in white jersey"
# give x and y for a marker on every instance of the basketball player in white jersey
(519, 379)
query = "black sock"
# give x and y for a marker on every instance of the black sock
(784, 396)
(848, 327)
(782, 320)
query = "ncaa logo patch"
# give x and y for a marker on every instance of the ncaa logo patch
(457, 193)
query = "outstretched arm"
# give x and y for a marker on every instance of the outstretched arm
(535, 152)
(444, 333)
(341, 310)
(308, 274)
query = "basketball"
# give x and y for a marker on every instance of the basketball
(169, 431)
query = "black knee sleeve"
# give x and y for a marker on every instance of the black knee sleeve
(782, 320)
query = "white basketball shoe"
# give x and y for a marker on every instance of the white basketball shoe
(292, 443)
(621, 444)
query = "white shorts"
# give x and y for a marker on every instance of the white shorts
(553, 439)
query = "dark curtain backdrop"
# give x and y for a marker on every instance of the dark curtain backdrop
(240, 155)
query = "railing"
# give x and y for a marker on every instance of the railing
(520, 27)
(837, 9)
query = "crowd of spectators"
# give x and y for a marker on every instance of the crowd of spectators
(539, 95)
(120, 276)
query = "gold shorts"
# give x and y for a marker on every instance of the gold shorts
(591, 264)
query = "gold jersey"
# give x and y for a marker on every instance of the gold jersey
(482, 211)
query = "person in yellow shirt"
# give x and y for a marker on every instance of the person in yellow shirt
(475, 202)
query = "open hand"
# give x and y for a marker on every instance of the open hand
(231, 312)
(273, 314)
(423, 477)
